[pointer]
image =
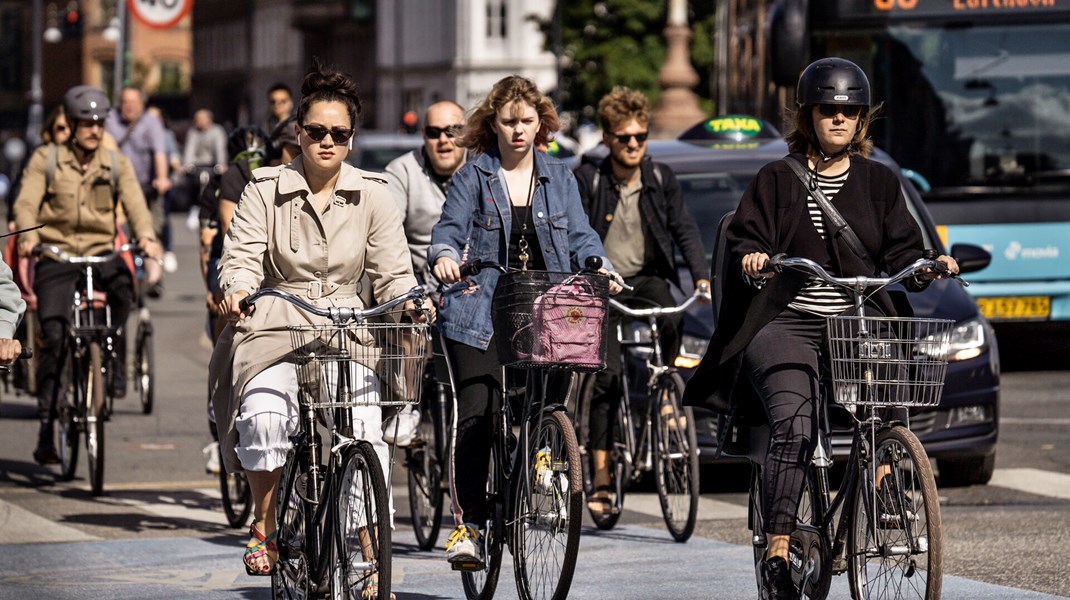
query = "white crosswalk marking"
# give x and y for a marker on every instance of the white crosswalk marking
(18, 525)
(648, 504)
(165, 506)
(1033, 481)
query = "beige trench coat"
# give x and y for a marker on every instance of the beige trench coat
(278, 239)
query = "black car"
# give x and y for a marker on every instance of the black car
(961, 432)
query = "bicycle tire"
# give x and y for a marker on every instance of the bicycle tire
(481, 585)
(290, 581)
(94, 429)
(676, 468)
(884, 554)
(549, 503)
(237, 499)
(361, 499)
(68, 416)
(144, 367)
(425, 471)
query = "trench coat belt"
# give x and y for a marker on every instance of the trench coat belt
(313, 290)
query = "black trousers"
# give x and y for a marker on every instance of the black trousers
(54, 284)
(606, 391)
(783, 364)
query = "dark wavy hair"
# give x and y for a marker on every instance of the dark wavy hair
(478, 133)
(325, 84)
(803, 136)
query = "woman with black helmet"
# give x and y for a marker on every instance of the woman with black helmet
(765, 353)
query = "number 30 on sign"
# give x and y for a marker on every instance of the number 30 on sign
(159, 14)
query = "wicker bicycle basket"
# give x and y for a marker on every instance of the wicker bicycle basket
(888, 361)
(551, 320)
(383, 363)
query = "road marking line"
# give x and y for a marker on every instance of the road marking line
(1033, 421)
(170, 508)
(1033, 481)
(708, 509)
(17, 525)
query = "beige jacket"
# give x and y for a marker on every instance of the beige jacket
(279, 239)
(77, 209)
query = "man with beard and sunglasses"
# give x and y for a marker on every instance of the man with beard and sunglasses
(72, 192)
(419, 181)
(637, 209)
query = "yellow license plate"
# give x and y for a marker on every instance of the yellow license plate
(1015, 307)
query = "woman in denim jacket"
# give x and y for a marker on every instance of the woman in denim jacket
(511, 205)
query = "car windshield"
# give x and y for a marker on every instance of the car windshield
(709, 196)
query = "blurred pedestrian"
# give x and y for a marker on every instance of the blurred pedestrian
(174, 167)
(280, 105)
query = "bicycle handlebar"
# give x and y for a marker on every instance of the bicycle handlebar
(860, 283)
(659, 311)
(63, 256)
(337, 314)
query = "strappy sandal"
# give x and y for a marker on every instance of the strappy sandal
(602, 505)
(259, 546)
(370, 591)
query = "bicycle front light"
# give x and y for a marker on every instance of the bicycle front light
(692, 348)
(968, 340)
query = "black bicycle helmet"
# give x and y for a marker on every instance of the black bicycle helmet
(247, 140)
(86, 103)
(833, 81)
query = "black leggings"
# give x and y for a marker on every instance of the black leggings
(782, 363)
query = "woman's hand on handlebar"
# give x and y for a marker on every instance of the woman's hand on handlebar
(10, 350)
(230, 307)
(949, 267)
(420, 315)
(447, 270)
(754, 265)
(615, 281)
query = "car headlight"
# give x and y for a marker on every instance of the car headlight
(968, 340)
(692, 349)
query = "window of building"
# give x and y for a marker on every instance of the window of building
(170, 77)
(497, 27)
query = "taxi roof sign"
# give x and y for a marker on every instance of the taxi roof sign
(736, 128)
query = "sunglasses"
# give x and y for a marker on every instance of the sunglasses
(59, 128)
(849, 110)
(317, 132)
(627, 137)
(433, 133)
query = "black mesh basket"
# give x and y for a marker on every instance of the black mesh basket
(551, 320)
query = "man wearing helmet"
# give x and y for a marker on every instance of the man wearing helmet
(72, 191)
(766, 355)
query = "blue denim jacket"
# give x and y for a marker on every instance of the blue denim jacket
(476, 222)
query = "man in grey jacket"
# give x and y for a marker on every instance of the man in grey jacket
(419, 181)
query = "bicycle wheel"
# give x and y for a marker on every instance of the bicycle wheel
(895, 542)
(481, 585)
(94, 427)
(72, 399)
(620, 469)
(546, 533)
(361, 552)
(237, 499)
(676, 472)
(143, 367)
(291, 578)
(425, 475)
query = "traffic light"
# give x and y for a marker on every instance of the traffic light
(72, 22)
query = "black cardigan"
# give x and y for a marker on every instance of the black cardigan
(773, 218)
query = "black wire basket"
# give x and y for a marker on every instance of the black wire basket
(551, 320)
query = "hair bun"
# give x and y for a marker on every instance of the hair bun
(324, 79)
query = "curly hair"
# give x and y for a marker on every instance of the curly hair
(803, 136)
(621, 105)
(512, 90)
(324, 84)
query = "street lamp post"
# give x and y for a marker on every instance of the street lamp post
(36, 115)
(677, 107)
(119, 76)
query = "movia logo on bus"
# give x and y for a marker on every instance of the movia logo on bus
(159, 14)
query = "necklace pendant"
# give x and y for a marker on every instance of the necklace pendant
(523, 259)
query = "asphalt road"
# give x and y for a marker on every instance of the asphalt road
(159, 530)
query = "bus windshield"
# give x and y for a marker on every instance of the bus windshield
(977, 107)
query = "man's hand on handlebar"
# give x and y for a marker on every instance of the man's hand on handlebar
(447, 270)
(9, 351)
(230, 307)
(26, 248)
(151, 248)
(754, 265)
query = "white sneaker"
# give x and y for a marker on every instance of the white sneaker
(463, 548)
(211, 454)
(401, 428)
(170, 262)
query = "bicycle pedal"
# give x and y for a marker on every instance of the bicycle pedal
(467, 565)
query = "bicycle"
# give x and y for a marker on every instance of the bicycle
(883, 525)
(334, 518)
(660, 437)
(92, 358)
(144, 371)
(535, 479)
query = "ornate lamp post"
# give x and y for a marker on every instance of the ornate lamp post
(677, 107)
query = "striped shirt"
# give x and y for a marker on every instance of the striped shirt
(819, 297)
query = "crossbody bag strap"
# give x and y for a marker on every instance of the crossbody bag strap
(839, 225)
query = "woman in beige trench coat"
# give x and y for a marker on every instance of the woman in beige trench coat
(314, 227)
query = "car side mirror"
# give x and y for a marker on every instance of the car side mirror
(970, 257)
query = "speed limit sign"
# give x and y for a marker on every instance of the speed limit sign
(159, 14)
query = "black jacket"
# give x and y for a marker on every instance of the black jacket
(665, 216)
(773, 218)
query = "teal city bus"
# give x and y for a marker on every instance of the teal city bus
(977, 104)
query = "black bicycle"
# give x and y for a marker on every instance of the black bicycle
(534, 491)
(86, 397)
(144, 371)
(660, 437)
(882, 527)
(334, 518)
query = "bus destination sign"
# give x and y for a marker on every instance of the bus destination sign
(912, 9)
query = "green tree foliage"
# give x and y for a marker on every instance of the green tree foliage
(621, 42)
